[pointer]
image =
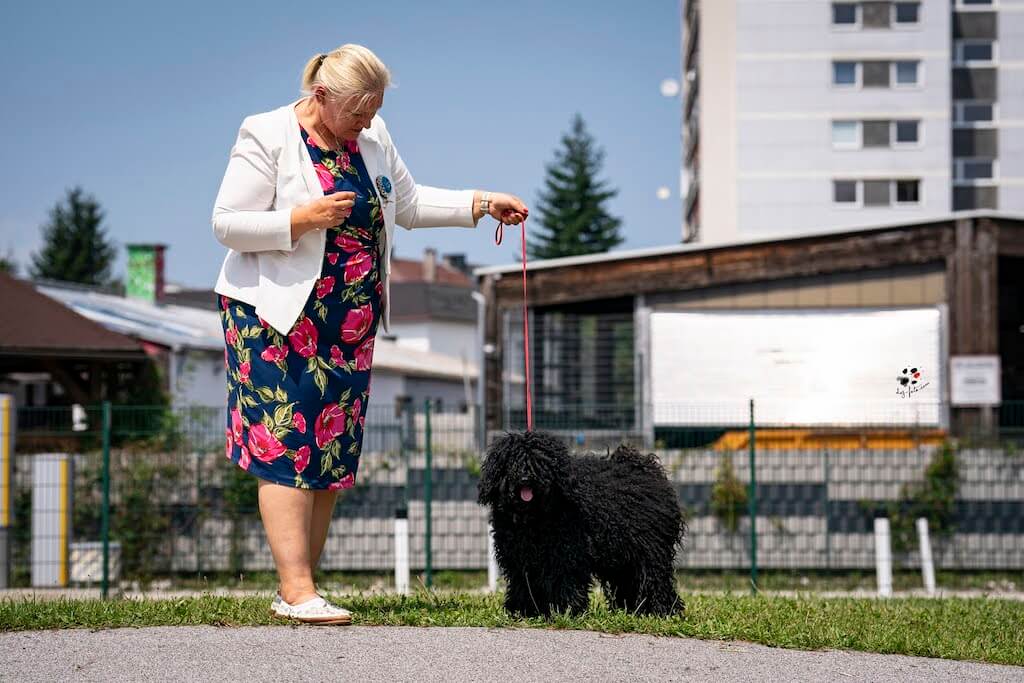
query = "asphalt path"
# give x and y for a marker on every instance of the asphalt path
(378, 653)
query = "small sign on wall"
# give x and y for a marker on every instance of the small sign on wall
(974, 380)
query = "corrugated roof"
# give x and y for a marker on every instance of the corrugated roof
(187, 327)
(705, 246)
(34, 322)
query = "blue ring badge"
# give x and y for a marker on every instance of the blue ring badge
(384, 188)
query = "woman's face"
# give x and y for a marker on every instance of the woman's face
(344, 116)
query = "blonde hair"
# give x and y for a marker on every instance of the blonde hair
(350, 70)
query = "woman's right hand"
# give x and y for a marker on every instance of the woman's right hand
(322, 213)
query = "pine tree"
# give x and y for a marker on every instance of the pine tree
(573, 220)
(75, 245)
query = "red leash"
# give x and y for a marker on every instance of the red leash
(498, 233)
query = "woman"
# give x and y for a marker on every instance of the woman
(307, 208)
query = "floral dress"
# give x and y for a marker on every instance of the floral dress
(297, 402)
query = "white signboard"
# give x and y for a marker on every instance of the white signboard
(803, 368)
(974, 380)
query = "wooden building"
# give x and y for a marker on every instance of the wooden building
(965, 272)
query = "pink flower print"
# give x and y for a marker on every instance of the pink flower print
(236, 425)
(299, 422)
(243, 371)
(358, 266)
(225, 356)
(303, 338)
(352, 146)
(324, 286)
(356, 408)
(264, 445)
(362, 234)
(224, 302)
(229, 438)
(263, 323)
(329, 424)
(380, 288)
(310, 140)
(301, 459)
(364, 354)
(326, 179)
(231, 336)
(346, 482)
(272, 354)
(244, 460)
(333, 258)
(344, 161)
(349, 243)
(336, 356)
(356, 324)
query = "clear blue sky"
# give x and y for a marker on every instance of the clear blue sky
(140, 103)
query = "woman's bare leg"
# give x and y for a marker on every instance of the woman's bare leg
(323, 509)
(287, 514)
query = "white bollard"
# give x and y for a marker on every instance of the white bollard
(927, 568)
(883, 557)
(401, 552)
(492, 562)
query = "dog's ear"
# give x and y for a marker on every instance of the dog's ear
(487, 487)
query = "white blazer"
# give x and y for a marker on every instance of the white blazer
(270, 172)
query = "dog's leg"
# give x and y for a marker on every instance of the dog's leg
(521, 598)
(658, 593)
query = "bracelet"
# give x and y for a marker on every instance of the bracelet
(485, 203)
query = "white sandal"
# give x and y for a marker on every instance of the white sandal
(313, 611)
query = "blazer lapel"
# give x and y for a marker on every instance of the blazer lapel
(294, 141)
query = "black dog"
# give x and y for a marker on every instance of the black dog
(560, 520)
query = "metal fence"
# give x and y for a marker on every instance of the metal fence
(150, 490)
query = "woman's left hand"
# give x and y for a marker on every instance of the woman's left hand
(507, 208)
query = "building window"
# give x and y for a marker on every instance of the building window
(974, 52)
(966, 170)
(844, 191)
(966, 112)
(906, 73)
(844, 14)
(908, 191)
(846, 134)
(906, 13)
(844, 73)
(875, 193)
(906, 132)
(974, 2)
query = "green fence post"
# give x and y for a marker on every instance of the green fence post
(199, 515)
(428, 482)
(828, 515)
(105, 509)
(752, 503)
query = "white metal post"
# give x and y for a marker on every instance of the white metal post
(401, 553)
(927, 568)
(883, 557)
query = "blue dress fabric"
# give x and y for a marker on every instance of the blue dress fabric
(297, 402)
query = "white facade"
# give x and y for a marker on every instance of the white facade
(774, 124)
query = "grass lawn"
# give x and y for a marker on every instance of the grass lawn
(985, 630)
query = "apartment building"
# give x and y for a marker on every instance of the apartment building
(803, 115)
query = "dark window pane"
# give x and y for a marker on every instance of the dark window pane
(977, 169)
(976, 2)
(876, 192)
(978, 51)
(876, 133)
(907, 191)
(844, 73)
(844, 13)
(977, 112)
(844, 190)
(906, 131)
(906, 73)
(875, 14)
(876, 74)
(907, 12)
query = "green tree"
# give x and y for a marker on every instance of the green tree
(573, 219)
(8, 264)
(75, 245)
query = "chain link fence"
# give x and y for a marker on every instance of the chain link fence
(150, 490)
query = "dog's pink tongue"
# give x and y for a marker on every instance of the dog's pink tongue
(526, 493)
